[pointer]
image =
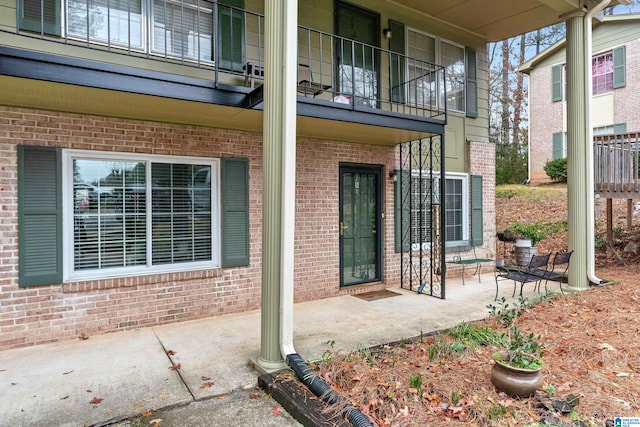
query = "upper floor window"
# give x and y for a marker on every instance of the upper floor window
(423, 86)
(116, 22)
(602, 71)
(608, 73)
(182, 29)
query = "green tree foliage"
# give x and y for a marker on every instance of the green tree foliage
(511, 164)
(556, 170)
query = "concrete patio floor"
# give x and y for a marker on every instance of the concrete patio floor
(55, 384)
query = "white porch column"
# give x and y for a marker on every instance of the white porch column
(279, 168)
(577, 146)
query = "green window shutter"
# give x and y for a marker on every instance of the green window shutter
(556, 148)
(556, 83)
(39, 216)
(619, 66)
(619, 128)
(39, 16)
(402, 211)
(397, 63)
(477, 237)
(235, 212)
(472, 83)
(231, 24)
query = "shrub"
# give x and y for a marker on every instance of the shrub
(557, 170)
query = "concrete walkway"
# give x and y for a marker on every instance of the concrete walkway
(87, 382)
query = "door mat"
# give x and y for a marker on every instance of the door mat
(376, 295)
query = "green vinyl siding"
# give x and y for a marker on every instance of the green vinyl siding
(477, 237)
(235, 212)
(39, 216)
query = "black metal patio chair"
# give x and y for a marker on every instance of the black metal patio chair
(558, 271)
(528, 274)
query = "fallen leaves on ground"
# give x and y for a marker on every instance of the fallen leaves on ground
(207, 384)
(170, 352)
(591, 356)
(156, 422)
(175, 367)
(276, 411)
(592, 342)
(96, 400)
(146, 413)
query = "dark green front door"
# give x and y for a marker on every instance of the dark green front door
(360, 224)
(357, 61)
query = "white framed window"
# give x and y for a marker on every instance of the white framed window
(602, 73)
(426, 205)
(174, 28)
(134, 214)
(183, 28)
(117, 22)
(424, 87)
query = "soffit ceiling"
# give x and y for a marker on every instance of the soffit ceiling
(497, 20)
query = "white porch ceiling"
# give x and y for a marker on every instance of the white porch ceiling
(500, 19)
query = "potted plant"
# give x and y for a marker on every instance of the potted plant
(533, 232)
(530, 235)
(517, 366)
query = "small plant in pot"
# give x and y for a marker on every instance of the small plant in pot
(530, 235)
(516, 370)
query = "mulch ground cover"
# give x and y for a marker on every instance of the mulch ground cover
(592, 351)
(591, 339)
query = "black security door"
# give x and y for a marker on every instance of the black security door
(360, 225)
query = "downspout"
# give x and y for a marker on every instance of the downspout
(591, 274)
(288, 12)
(289, 69)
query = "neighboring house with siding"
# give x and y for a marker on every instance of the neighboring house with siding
(615, 86)
(131, 133)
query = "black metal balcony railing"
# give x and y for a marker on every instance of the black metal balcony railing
(230, 41)
(617, 163)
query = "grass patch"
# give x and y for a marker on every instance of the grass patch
(474, 336)
(530, 193)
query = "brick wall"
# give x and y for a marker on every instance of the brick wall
(482, 156)
(626, 100)
(545, 118)
(43, 314)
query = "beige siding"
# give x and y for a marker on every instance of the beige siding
(608, 36)
(7, 16)
(315, 14)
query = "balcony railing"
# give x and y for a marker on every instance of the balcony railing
(230, 42)
(617, 163)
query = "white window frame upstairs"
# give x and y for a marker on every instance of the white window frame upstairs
(439, 99)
